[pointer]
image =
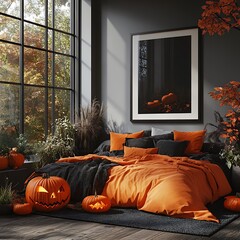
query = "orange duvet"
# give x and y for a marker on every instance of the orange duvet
(174, 186)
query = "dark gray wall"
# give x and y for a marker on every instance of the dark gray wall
(116, 20)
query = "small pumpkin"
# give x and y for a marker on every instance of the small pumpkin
(3, 162)
(22, 208)
(96, 203)
(232, 203)
(48, 193)
(15, 159)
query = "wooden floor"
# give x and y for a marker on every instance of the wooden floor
(37, 227)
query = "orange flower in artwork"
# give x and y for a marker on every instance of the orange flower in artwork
(229, 95)
(219, 16)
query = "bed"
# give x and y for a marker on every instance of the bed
(152, 174)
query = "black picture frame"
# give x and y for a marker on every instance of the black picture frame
(165, 77)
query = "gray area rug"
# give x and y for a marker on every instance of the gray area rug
(139, 219)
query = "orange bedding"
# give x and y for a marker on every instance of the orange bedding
(174, 186)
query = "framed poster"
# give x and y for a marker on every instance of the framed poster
(165, 76)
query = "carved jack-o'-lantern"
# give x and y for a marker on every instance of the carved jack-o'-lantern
(48, 193)
(96, 203)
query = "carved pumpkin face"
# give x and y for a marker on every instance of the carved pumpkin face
(232, 203)
(96, 203)
(48, 193)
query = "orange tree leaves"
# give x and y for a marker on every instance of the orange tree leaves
(229, 95)
(219, 16)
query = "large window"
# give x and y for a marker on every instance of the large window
(37, 64)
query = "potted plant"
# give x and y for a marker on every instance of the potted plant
(6, 198)
(90, 128)
(57, 145)
(229, 95)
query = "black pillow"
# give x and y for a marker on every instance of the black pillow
(103, 147)
(213, 148)
(145, 142)
(167, 136)
(171, 148)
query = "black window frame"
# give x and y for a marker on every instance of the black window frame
(74, 54)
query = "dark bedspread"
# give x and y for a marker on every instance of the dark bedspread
(83, 177)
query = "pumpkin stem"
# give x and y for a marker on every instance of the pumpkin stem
(45, 175)
(95, 194)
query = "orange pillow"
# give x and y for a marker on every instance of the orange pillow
(134, 151)
(118, 139)
(195, 139)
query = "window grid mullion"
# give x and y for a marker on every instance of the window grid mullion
(72, 73)
(21, 69)
(46, 71)
(53, 65)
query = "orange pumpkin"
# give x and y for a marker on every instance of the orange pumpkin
(96, 203)
(22, 208)
(48, 193)
(15, 159)
(232, 203)
(3, 162)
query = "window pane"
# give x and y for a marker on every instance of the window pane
(62, 71)
(62, 43)
(34, 106)
(34, 10)
(9, 62)
(9, 105)
(34, 66)
(11, 7)
(62, 14)
(50, 15)
(50, 37)
(34, 35)
(62, 103)
(9, 29)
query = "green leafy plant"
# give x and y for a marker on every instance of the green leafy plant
(57, 145)
(231, 154)
(6, 193)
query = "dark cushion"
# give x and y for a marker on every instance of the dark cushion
(103, 147)
(145, 142)
(167, 136)
(213, 148)
(171, 148)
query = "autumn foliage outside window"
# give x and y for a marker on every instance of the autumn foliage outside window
(37, 65)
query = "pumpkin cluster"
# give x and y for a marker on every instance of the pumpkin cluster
(13, 160)
(50, 193)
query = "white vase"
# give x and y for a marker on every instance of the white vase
(236, 178)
